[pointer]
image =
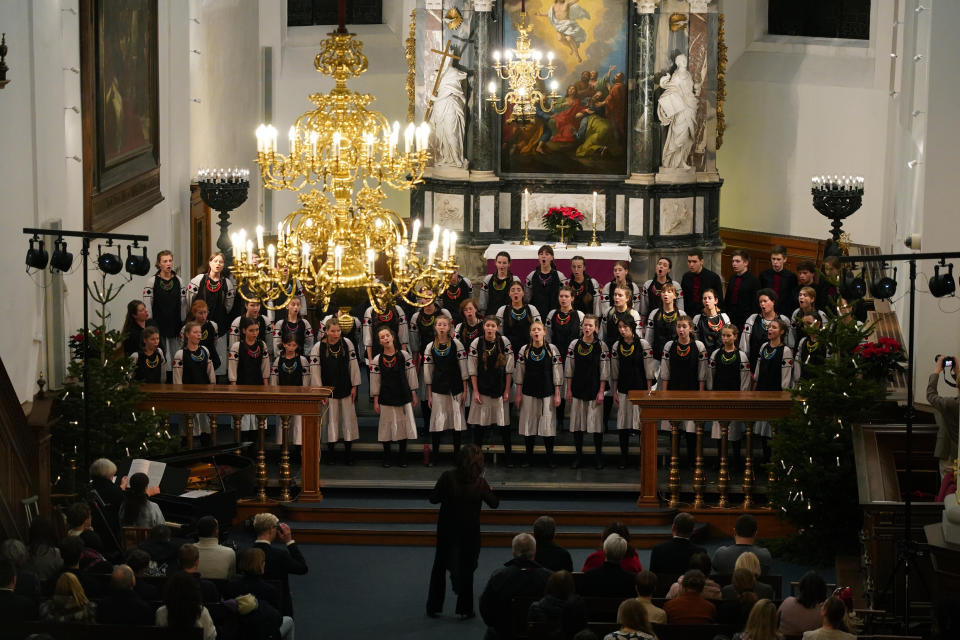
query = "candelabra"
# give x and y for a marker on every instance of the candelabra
(524, 73)
(224, 190)
(837, 198)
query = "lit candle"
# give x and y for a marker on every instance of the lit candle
(432, 252)
(292, 135)
(272, 252)
(336, 146)
(408, 137)
(526, 206)
(280, 234)
(369, 143)
(371, 260)
(305, 253)
(250, 251)
(261, 142)
(314, 136)
(271, 138)
(416, 232)
(496, 56)
(550, 58)
(338, 257)
(401, 257)
(259, 237)
(492, 88)
(236, 249)
(594, 208)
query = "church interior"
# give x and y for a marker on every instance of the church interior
(587, 160)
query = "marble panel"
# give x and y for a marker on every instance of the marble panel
(428, 209)
(635, 227)
(486, 214)
(504, 210)
(701, 214)
(618, 226)
(448, 210)
(676, 216)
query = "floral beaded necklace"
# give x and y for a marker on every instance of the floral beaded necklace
(151, 363)
(452, 293)
(290, 368)
(768, 352)
(167, 285)
(669, 317)
(627, 353)
(584, 352)
(331, 352)
(715, 326)
(388, 361)
(681, 351)
(518, 316)
(729, 359)
(561, 320)
(534, 355)
(198, 355)
(441, 352)
(252, 353)
(212, 289)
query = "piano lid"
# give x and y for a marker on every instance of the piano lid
(196, 455)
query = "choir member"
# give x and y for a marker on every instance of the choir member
(149, 361)
(587, 370)
(543, 283)
(683, 367)
(650, 291)
(631, 369)
(393, 385)
(807, 304)
(457, 292)
(586, 290)
(394, 318)
(755, 328)
(294, 323)
(218, 291)
(422, 332)
(248, 363)
(490, 363)
(729, 370)
(334, 363)
(193, 364)
(165, 296)
(662, 322)
(538, 378)
(133, 324)
(251, 309)
(781, 280)
(621, 278)
(495, 287)
(741, 296)
(697, 280)
(774, 372)
(709, 323)
(445, 374)
(290, 369)
(517, 317)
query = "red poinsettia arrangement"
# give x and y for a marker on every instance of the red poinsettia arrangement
(881, 359)
(568, 216)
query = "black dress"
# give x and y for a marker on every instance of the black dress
(458, 538)
(148, 368)
(583, 294)
(544, 289)
(708, 331)
(564, 329)
(166, 306)
(516, 325)
(453, 296)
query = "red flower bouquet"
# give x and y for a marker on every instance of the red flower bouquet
(880, 360)
(568, 216)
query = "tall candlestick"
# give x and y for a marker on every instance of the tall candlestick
(594, 208)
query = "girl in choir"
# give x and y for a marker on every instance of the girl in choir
(621, 278)
(587, 370)
(708, 325)
(517, 317)
(609, 333)
(470, 327)
(652, 288)
(662, 322)
(290, 290)
(729, 370)
(807, 299)
(333, 363)
(774, 372)
(810, 351)
(248, 363)
(166, 299)
(200, 313)
(586, 290)
(251, 309)
(538, 378)
(445, 374)
(683, 367)
(133, 325)
(755, 328)
(631, 369)
(543, 283)
(393, 385)
(148, 361)
(495, 288)
(422, 332)
(290, 369)
(563, 327)
(193, 364)
(393, 318)
(294, 323)
(490, 365)
(218, 291)
(457, 292)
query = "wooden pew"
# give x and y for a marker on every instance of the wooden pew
(71, 631)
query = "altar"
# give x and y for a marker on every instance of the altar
(600, 259)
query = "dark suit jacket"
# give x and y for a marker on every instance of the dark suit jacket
(739, 303)
(208, 590)
(280, 563)
(553, 557)
(147, 591)
(786, 300)
(693, 300)
(125, 607)
(15, 609)
(607, 581)
(516, 578)
(672, 557)
(163, 552)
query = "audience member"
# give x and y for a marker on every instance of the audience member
(71, 550)
(80, 524)
(700, 562)
(801, 613)
(560, 613)
(137, 510)
(162, 549)
(630, 562)
(102, 474)
(14, 608)
(217, 562)
(69, 602)
(139, 561)
(832, 613)
(45, 558)
(634, 625)
(183, 607)
(519, 577)
(748, 561)
(672, 557)
(761, 623)
(735, 610)
(585, 634)
(645, 584)
(549, 554)
(279, 562)
(28, 585)
(250, 580)
(690, 607)
(123, 605)
(188, 559)
(609, 580)
(744, 539)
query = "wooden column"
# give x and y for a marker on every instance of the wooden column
(699, 477)
(648, 464)
(310, 453)
(724, 478)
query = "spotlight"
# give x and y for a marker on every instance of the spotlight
(137, 265)
(884, 288)
(36, 254)
(852, 287)
(109, 263)
(942, 285)
(61, 259)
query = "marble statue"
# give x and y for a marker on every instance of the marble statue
(677, 109)
(448, 120)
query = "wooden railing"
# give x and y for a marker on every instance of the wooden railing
(701, 406)
(262, 401)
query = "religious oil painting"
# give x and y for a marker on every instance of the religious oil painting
(584, 131)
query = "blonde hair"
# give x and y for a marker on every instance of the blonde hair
(537, 322)
(762, 622)
(69, 585)
(748, 560)
(263, 522)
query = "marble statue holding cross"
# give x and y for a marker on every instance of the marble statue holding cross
(446, 114)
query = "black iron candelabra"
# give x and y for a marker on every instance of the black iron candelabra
(224, 190)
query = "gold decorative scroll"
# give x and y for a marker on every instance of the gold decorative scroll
(410, 53)
(721, 79)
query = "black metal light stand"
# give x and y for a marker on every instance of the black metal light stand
(836, 200)
(224, 191)
(86, 237)
(907, 550)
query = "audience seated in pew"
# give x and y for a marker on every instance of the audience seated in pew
(690, 607)
(744, 539)
(72, 550)
(14, 608)
(736, 611)
(139, 561)
(801, 613)
(250, 580)
(216, 561)
(630, 561)
(560, 613)
(123, 605)
(832, 613)
(520, 576)
(748, 560)
(189, 558)
(80, 523)
(632, 618)
(28, 584)
(163, 550)
(761, 624)
(69, 602)
(672, 557)
(700, 562)
(280, 563)
(549, 554)
(183, 606)
(609, 579)
(645, 583)
(45, 558)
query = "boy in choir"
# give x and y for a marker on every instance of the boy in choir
(729, 370)
(193, 365)
(697, 280)
(810, 351)
(807, 301)
(755, 328)
(683, 367)
(294, 323)
(495, 288)
(457, 292)
(621, 278)
(249, 363)
(631, 368)
(563, 327)
(490, 363)
(165, 296)
(651, 290)
(586, 290)
(587, 369)
(662, 321)
(516, 317)
(290, 369)
(393, 385)
(741, 297)
(445, 375)
(538, 377)
(422, 332)
(148, 361)
(251, 309)
(774, 372)
(543, 283)
(781, 280)
(708, 324)
(216, 289)
(334, 363)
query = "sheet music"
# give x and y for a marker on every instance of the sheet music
(152, 468)
(197, 493)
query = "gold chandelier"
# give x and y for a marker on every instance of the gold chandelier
(524, 73)
(342, 237)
